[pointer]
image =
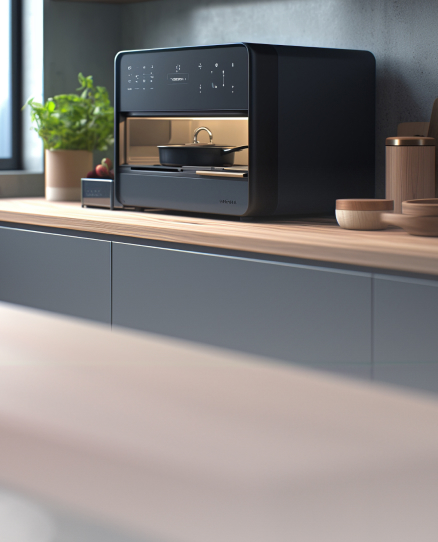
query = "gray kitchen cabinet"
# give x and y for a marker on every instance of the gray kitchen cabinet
(59, 273)
(420, 376)
(405, 331)
(291, 312)
(405, 320)
(355, 323)
(362, 371)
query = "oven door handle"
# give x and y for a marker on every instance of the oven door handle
(209, 173)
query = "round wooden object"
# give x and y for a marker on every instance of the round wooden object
(410, 141)
(410, 169)
(363, 204)
(63, 172)
(426, 226)
(421, 207)
(362, 214)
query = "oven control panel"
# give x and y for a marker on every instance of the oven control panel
(199, 78)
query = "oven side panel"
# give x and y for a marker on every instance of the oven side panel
(326, 128)
(263, 129)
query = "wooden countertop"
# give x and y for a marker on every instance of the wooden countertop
(177, 441)
(312, 239)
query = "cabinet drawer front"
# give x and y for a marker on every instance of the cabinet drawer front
(290, 312)
(405, 320)
(417, 375)
(69, 275)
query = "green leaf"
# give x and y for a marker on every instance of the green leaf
(71, 121)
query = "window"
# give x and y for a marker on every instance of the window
(10, 94)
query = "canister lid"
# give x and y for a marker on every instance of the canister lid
(410, 141)
(364, 204)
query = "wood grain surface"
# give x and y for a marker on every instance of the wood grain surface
(410, 173)
(413, 129)
(364, 204)
(360, 220)
(415, 225)
(314, 239)
(175, 441)
(433, 132)
(421, 207)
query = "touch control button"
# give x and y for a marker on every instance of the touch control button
(177, 78)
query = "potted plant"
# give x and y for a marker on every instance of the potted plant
(72, 126)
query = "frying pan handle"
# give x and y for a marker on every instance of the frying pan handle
(234, 149)
(195, 135)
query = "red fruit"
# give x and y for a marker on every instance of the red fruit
(107, 162)
(111, 174)
(102, 171)
(90, 174)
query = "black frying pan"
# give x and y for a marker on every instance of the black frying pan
(197, 154)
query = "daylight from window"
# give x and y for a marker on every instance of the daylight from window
(5, 87)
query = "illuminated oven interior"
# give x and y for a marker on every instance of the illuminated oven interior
(140, 136)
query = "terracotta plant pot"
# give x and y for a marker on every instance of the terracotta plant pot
(63, 173)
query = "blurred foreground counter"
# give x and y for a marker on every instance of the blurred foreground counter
(162, 439)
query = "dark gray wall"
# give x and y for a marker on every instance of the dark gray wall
(80, 37)
(401, 35)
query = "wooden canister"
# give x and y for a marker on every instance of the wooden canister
(410, 169)
(63, 172)
(362, 214)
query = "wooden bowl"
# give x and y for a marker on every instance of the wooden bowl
(362, 214)
(425, 226)
(420, 207)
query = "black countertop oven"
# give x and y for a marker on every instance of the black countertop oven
(304, 116)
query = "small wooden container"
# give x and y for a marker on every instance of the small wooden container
(362, 214)
(410, 169)
(63, 172)
(421, 207)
